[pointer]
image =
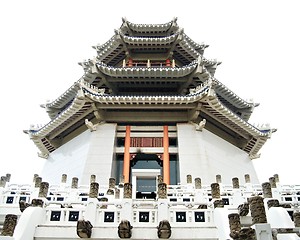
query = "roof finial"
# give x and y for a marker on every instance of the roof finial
(124, 19)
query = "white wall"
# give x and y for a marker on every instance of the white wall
(204, 155)
(100, 154)
(88, 153)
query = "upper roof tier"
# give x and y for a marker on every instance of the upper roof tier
(154, 67)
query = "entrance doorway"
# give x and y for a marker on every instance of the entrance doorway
(144, 183)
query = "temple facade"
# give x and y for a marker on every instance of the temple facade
(148, 144)
(149, 100)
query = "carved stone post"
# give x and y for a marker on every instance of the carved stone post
(74, 182)
(94, 188)
(160, 179)
(112, 183)
(93, 178)
(2, 182)
(64, 178)
(272, 182)
(162, 190)
(235, 183)
(84, 229)
(296, 216)
(188, 178)
(44, 186)
(257, 209)
(34, 177)
(273, 203)
(37, 182)
(247, 234)
(104, 199)
(218, 178)
(215, 190)
(267, 192)
(198, 183)
(37, 202)
(247, 178)
(117, 193)
(243, 209)
(276, 176)
(234, 225)
(8, 176)
(9, 225)
(127, 190)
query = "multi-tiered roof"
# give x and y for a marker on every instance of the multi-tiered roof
(149, 73)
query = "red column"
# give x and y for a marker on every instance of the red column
(130, 62)
(168, 63)
(126, 163)
(166, 158)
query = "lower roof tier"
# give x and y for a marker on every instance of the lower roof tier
(92, 106)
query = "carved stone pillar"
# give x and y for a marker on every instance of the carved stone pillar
(124, 228)
(117, 193)
(257, 209)
(74, 182)
(198, 184)
(272, 182)
(235, 183)
(164, 229)
(2, 182)
(160, 179)
(37, 182)
(247, 178)
(37, 203)
(215, 190)
(296, 216)
(234, 225)
(273, 203)
(8, 176)
(218, 178)
(127, 190)
(162, 191)
(34, 177)
(219, 203)
(9, 225)
(247, 234)
(267, 192)
(93, 178)
(188, 178)
(276, 176)
(64, 178)
(44, 186)
(104, 199)
(112, 183)
(94, 188)
(243, 209)
(84, 229)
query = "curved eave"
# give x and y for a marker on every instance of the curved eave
(198, 47)
(144, 28)
(61, 101)
(164, 72)
(109, 50)
(227, 116)
(231, 97)
(149, 41)
(149, 100)
(61, 119)
(189, 48)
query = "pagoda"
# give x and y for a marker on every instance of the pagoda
(150, 91)
(146, 117)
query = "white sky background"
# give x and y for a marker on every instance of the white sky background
(258, 42)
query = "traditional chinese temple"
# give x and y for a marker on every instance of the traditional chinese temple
(148, 144)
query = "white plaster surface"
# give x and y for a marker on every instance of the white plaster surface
(203, 154)
(88, 153)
